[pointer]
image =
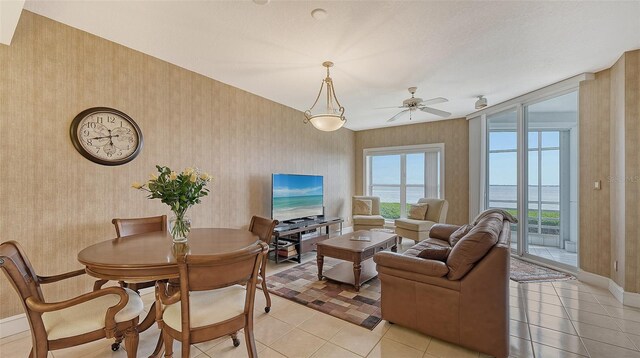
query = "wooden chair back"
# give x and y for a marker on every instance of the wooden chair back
(208, 272)
(263, 227)
(24, 280)
(127, 227)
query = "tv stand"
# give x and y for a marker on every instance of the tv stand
(304, 235)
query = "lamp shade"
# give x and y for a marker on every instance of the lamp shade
(333, 117)
(327, 122)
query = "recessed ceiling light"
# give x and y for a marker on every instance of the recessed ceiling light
(319, 14)
(261, 2)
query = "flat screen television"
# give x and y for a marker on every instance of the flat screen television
(296, 196)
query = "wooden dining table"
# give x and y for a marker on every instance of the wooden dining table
(152, 256)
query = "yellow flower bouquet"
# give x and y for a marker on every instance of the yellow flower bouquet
(180, 192)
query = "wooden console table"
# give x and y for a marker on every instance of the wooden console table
(295, 233)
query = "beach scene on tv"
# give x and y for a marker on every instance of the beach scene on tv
(296, 196)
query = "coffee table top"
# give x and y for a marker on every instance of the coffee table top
(344, 241)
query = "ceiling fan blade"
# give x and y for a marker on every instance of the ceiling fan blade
(433, 101)
(389, 107)
(437, 112)
(396, 116)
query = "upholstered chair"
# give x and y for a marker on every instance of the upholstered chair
(264, 229)
(215, 299)
(128, 227)
(106, 313)
(366, 213)
(418, 230)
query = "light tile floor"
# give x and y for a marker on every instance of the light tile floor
(559, 319)
(552, 253)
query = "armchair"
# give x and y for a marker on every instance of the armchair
(418, 230)
(370, 221)
(105, 313)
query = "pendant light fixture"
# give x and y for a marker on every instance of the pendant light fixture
(331, 117)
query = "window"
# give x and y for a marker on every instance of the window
(402, 175)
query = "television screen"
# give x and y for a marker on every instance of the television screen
(296, 196)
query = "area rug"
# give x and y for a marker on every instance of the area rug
(523, 271)
(300, 284)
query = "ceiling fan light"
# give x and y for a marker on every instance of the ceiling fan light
(327, 122)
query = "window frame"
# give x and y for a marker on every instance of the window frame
(438, 148)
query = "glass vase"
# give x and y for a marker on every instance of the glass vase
(179, 227)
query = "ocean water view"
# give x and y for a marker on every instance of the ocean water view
(499, 195)
(290, 207)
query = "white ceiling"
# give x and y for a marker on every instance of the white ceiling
(452, 49)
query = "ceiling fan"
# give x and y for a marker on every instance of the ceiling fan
(412, 104)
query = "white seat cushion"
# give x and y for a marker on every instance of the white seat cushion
(414, 225)
(208, 307)
(368, 220)
(89, 316)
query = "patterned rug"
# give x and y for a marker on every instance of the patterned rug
(300, 284)
(523, 271)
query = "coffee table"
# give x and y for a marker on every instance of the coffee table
(359, 268)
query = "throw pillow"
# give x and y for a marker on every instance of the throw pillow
(435, 253)
(459, 234)
(418, 211)
(362, 207)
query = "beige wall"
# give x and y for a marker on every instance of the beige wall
(609, 151)
(595, 243)
(454, 133)
(632, 169)
(55, 202)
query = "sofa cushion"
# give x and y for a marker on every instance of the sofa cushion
(473, 246)
(459, 234)
(438, 253)
(361, 207)
(418, 211)
(437, 242)
(414, 225)
(377, 220)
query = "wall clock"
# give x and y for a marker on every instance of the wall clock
(106, 136)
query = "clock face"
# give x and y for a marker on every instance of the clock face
(106, 136)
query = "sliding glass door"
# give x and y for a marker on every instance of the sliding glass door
(502, 165)
(547, 169)
(552, 137)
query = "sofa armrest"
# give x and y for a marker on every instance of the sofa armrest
(412, 264)
(442, 231)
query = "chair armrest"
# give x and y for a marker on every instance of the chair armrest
(161, 294)
(38, 306)
(56, 278)
(442, 231)
(412, 264)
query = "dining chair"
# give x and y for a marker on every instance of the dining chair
(263, 227)
(128, 227)
(106, 313)
(215, 299)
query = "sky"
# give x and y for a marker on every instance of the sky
(296, 185)
(503, 168)
(386, 169)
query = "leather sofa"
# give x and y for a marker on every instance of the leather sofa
(463, 299)
(418, 230)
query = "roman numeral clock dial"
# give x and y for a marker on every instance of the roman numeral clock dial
(106, 136)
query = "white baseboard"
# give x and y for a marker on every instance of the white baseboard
(13, 325)
(631, 299)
